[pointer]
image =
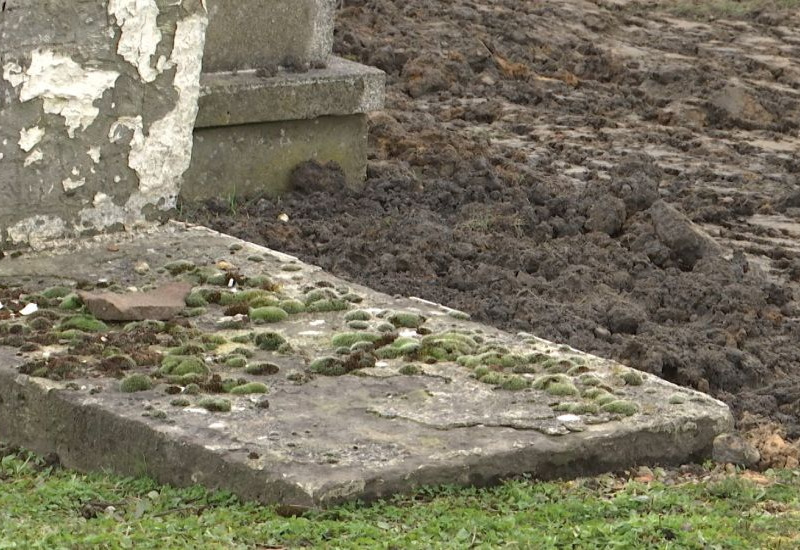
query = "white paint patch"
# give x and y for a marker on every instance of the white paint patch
(34, 157)
(37, 230)
(66, 88)
(138, 21)
(12, 73)
(70, 185)
(167, 150)
(30, 138)
(133, 125)
(94, 154)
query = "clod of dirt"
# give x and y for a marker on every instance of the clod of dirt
(734, 449)
(687, 242)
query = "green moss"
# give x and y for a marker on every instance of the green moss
(71, 302)
(543, 382)
(357, 315)
(537, 358)
(584, 408)
(557, 366)
(192, 389)
(385, 327)
(180, 266)
(343, 350)
(213, 341)
(347, 339)
(492, 378)
(410, 370)
(179, 365)
(215, 404)
(291, 267)
(404, 319)
(268, 315)
(190, 348)
(589, 380)
(460, 315)
(525, 369)
(358, 325)
(362, 346)
(269, 341)
(145, 326)
(319, 294)
(262, 369)
(677, 399)
(292, 307)
(511, 360)
(562, 388)
(236, 361)
(481, 371)
(243, 338)
(285, 349)
(447, 346)
(119, 361)
(210, 295)
(136, 383)
(604, 399)
(264, 301)
(250, 387)
(353, 298)
(591, 393)
(86, 323)
(246, 297)
(72, 335)
(515, 383)
(575, 370)
(328, 366)
(196, 299)
(262, 282)
(632, 378)
(620, 406)
(322, 306)
(194, 312)
(56, 292)
(180, 402)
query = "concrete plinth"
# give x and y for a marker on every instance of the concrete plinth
(251, 132)
(366, 395)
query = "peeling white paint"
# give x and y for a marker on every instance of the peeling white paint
(94, 154)
(34, 157)
(133, 125)
(30, 138)
(12, 73)
(70, 185)
(66, 88)
(37, 230)
(138, 21)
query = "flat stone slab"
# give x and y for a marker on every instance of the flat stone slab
(366, 395)
(341, 88)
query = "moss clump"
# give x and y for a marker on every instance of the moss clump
(515, 383)
(677, 399)
(493, 378)
(562, 389)
(211, 276)
(180, 365)
(191, 348)
(447, 346)
(250, 387)
(215, 404)
(235, 361)
(460, 315)
(145, 326)
(525, 369)
(353, 298)
(136, 383)
(264, 302)
(213, 341)
(192, 389)
(262, 369)
(291, 267)
(86, 323)
(347, 339)
(196, 299)
(404, 319)
(268, 315)
(543, 382)
(56, 292)
(411, 370)
(328, 366)
(318, 295)
(243, 338)
(620, 406)
(362, 346)
(180, 402)
(358, 315)
(589, 380)
(604, 399)
(358, 325)
(71, 302)
(385, 327)
(344, 350)
(402, 347)
(632, 378)
(194, 312)
(554, 366)
(576, 370)
(118, 361)
(180, 266)
(583, 408)
(322, 306)
(246, 297)
(292, 307)
(269, 341)
(263, 282)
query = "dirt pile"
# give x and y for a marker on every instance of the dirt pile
(604, 174)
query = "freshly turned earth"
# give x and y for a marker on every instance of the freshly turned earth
(285, 384)
(517, 169)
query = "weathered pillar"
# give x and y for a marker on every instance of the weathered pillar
(98, 100)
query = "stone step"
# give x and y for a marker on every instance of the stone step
(251, 132)
(256, 34)
(367, 395)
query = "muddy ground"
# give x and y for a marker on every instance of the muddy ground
(620, 176)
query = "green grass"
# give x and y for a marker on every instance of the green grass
(45, 508)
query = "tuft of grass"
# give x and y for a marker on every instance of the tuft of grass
(45, 507)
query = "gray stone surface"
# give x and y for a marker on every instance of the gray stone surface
(343, 88)
(325, 439)
(97, 104)
(251, 159)
(163, 303)
(253, 34)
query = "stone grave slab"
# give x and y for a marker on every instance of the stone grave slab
(287, 385)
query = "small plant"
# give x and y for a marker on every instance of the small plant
(410, 370)
(292, 307)
(620, 406)
(328, 366)
(86, 323)
(215, 404)
(357, 315)
(268, 315)
(250, 387)
(406, 319)
(136, 383)
(269, 341)
(262, 369)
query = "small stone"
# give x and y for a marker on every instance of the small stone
(262, 403)
(732, 448)
(161, 304)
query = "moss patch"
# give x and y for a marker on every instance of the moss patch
(262, 369)
(250, 387)
(269, 341)
(328, 366)
(406, 319)
(85, 323)
(620, 406)
(215, 404)
(268, 315)
(136, 383)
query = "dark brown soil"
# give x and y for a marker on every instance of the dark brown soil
(558, 166)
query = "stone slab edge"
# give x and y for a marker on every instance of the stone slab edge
(343, 88)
